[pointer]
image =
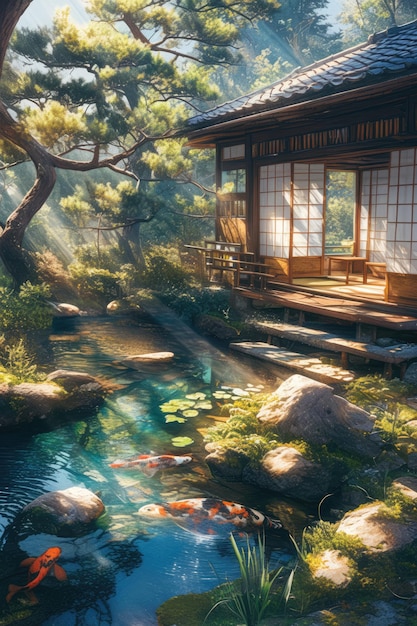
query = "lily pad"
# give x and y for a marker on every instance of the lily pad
(240, 393)
(204, 406)
(199, 395)
(170, 417)
(177, 404)
(221, 395)
(168, 407)
(181, 442)
(190, 413)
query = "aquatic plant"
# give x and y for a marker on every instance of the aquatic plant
(249, 597)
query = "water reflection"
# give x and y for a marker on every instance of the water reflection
(123, 571)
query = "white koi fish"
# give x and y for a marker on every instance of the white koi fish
(207, 516)
(150, 464)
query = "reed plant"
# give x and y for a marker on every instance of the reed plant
(249, 597)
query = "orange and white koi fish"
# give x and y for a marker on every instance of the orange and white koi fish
(39, 568)
(150, 464)
(206, 516)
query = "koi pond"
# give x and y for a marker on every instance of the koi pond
(122, 571)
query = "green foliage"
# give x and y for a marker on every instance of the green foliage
(17, 364)
(25, 310)
(95, 282)
(196, 301)
(249, 597)
(385, 399)
(362, 18)
(375, 391)
(324, 536)
(161, 274)
(242, 432)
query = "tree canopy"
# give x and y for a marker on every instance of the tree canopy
(102, 94)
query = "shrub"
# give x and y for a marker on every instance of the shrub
(17, 364)
(25, 310)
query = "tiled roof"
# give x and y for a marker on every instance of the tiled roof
(391, 52)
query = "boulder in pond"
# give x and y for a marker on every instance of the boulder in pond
(302, 408)
(65, 513)
(225, 463)
(64, 393)
(63, 309)
(149, 358)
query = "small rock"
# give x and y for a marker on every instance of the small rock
(334, 567)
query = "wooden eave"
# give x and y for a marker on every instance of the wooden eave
(296, 114)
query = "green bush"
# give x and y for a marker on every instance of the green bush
(94, 281)
(25, 310)
(17, 365)
(162, 273)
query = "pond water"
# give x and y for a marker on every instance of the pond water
(121, 572)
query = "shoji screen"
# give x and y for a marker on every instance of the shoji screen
(308, 199)
(275, 210)
(374, 215)
(401, 254)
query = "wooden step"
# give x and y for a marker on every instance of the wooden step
(310, 366)
(399, 354)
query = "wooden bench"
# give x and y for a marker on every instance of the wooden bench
(400, 354)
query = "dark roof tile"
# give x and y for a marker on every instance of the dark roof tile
(385, 53)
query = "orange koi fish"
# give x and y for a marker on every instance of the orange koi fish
(206, 516)
(39, 568)
(149, 464)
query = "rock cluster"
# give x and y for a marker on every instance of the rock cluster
(307, 410)
(63, 394)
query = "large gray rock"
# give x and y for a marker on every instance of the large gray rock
(378, 530)
(285, 471)
(66, 513)
(63, 393)
(306, 409)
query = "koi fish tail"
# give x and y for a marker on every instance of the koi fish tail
(273, 523)
(12, 590)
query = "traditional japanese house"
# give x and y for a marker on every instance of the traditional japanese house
(280, 150)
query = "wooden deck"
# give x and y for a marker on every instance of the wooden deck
(355, 312)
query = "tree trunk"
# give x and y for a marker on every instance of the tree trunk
(15, 259)
(10, 13)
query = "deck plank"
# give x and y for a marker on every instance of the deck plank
(310, 366)
(400, 353)
(339, 308)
